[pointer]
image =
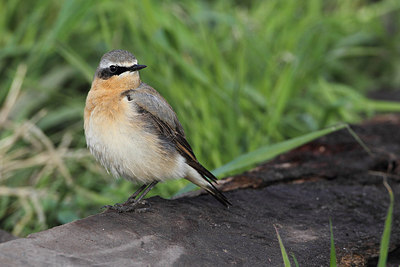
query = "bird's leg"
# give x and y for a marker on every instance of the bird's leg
(132, 202)
(132, 198)
(145, 191)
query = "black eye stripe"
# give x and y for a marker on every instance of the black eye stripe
(108, 72)
(119, 70)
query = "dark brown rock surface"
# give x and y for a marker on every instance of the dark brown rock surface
(298, 192)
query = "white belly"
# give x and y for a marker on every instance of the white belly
(127, 151)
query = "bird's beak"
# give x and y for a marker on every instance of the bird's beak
(137, 67)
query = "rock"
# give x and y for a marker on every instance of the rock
(298, 192)
(5, 236)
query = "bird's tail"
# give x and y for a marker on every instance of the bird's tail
(198, 179)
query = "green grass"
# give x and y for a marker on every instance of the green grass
(384, 247)
(285, 257)
(240, 75)
(294, 260)
(268, 152)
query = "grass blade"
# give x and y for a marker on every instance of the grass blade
(270, 151)
(384, 248)
(358, 140)
(265, 153)
(333, 261)
(295, 260)
(283, 250)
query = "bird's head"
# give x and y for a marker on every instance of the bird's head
(118, 66)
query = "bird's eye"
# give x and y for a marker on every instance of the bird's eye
(113, 68)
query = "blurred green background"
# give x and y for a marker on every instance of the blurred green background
(239, 74)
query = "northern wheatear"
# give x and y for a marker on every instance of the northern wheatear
(134, 133)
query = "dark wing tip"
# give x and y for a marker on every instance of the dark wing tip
(218, 195)
(207, 175)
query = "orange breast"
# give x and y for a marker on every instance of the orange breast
(105, 95)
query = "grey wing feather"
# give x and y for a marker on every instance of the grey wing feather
(148, 99)
(151, 101)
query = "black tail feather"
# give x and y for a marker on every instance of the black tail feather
(203, 171)
(218, 195)
(211, 179)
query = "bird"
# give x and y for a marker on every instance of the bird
(135, 134)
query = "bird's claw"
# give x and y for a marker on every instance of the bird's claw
(128, 206)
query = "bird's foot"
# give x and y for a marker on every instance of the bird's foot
(128, 206)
